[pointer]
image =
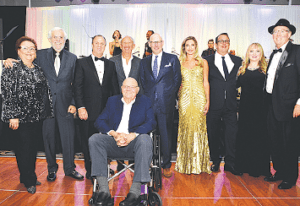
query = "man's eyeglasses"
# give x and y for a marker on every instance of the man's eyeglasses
(224, 41)
(155, 42)
(280, 31)
(30, 49)
(129, 87)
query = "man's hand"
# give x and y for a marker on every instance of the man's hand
(8, 63)
(72, 109)
(83, 114)
(119, 138)
(14, 124)
(129, 138)
(296, 112)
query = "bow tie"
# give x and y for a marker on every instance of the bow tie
(96, 58)
(277, 50)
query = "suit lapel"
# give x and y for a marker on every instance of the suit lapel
(120, 67)
(163, 63)
(93, 68)
(282, 60)
(149, 66)
(106, 70)
(216, 68)
(50, 59)
(63, 62)
(132, 66)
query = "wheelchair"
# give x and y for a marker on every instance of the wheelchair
(149, 195)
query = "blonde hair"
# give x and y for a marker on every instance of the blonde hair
(262, 61)
(182, 56)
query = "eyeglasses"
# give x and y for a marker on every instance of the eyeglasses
(224, 41)
(129, 87)
(280, 31)
(155, 42)
(30, 49)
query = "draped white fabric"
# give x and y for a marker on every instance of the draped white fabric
(245, 24)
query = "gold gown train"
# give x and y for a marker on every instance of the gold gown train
(192, 146)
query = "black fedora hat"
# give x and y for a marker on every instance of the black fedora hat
(283, 22)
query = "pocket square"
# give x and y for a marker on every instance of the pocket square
(289, 64)
(168, 65)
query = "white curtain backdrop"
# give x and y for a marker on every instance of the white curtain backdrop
(245, 24)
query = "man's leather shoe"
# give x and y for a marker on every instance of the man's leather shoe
(51, 176)
(285, 185)
(167, 172)
(232, 170)
(104, 199)
(215, 167)
(130, 200)
(31, 189)
(88, 176)
(76, 175)
(273, 178)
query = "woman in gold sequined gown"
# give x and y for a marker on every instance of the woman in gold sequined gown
(192, 146)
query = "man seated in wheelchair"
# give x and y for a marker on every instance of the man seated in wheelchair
(123, 127)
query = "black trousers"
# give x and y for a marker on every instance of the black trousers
(214, 118)
(25, 151)
(283, 139)
(87, 129)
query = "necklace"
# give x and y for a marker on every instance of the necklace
(254, 68)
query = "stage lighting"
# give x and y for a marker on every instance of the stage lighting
(95, 1)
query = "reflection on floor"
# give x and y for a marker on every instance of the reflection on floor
(220, 188)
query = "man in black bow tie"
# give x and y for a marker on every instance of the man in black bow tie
(94, 82)
(282, 88)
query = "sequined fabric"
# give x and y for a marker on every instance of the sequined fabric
(26, 94)
(192, 146)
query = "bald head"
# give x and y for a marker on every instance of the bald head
(156, 43)
(129, 89)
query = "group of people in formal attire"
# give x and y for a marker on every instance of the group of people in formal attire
(121, 99)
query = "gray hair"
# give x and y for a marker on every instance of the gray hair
(129, 37)
(56, 29)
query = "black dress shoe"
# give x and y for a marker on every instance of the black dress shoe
(273, 178)
(76, 175)
(215, 167)
(51, 176)
(88, 176)
(285, 185)
(232, 170)
(38, 183)
(31, 189)
(130, 200)
(104, 199)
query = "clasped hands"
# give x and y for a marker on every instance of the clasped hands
(122, 139)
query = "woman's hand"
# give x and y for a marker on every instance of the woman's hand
(206, 108)
(14, 124)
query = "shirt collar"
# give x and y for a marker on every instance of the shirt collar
(123, 59)
(93, 57)
(130, 103)
(219, 55)
(283, 46)
(159, 55)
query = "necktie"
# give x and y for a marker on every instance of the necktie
(224, 67)
(277, 50)
(155, 67)
(101, 58)
(57, 63)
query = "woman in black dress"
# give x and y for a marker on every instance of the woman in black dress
(252, 155)
(114, 46)
(26, 103)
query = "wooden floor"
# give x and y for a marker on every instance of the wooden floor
(221, 188)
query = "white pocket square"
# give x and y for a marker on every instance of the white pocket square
(289, 64)
(168, 65)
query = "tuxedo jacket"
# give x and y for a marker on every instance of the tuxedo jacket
(221, 89)
(141, 118)
(163, 90)
(286, 88)
(88, 90)
(134, 71)
(61, 84)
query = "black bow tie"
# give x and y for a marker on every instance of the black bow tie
(277, 50)
(101, 58)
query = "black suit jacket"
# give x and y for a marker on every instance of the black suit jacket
(221, 88)
(89, 93)
(286, 89)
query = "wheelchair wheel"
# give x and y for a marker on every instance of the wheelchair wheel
(93, 199)
(154, 199)
(156, 179)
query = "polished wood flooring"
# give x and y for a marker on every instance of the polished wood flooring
(220, 188)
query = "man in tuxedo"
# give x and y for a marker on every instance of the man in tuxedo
(160, 79)
(223, 68)
(123, 126)
(283, 99)
(210, 49)
(148, 50)
(94, 82)
(127, 65)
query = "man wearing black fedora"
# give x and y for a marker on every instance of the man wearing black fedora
(282, 88)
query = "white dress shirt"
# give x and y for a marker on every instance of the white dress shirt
(126, 67)
(124, 124)
(219, 65)
(99, 67)
(158, 61)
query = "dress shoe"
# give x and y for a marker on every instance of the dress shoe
(38, 183)
(88, 176)
(285, 185)
(31, 189)
(104, 199)
(167, 172)
(51, 176)
(215, 167)
(273, 178)
(76, 175)
(130, 200)
(232, 170)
